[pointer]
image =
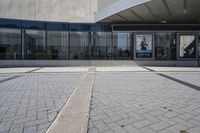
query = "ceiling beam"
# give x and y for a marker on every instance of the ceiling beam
(185, 11)
(122, 17)
(152, 13)
(134, 13)
(168, 10)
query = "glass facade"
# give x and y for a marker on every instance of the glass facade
(122, 46)
(198, 53)
(57, 45)
(80, 45)
(102, 47)
(34, 40)
(165, 46)
(34, 44)
(10, 44)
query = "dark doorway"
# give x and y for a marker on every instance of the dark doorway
(2, 53)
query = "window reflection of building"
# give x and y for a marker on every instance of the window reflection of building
(35, 44)
(187, 46)
(165, 46)
(79, 45)
(103, 45)
(10, 44)
(122, 46)
(57, 45)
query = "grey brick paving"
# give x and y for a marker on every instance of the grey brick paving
(29, 104)
(144, 103)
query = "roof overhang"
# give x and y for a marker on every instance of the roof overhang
(151, 12)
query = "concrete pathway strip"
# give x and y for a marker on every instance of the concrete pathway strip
(62, 69)
(121, 69)
(174, 69)
(73, 118)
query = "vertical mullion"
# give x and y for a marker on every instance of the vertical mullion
(46, 45)
(69, 45)
(22, 44)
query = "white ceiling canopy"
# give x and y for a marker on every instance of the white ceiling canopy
(151, 12)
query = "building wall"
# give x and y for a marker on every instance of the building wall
(103, 3)
(49, 10)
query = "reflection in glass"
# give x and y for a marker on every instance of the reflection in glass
(103, 45)
(57, 47)
(10, 44)
(199, 48)
(79, 45)
(34, 44)
(165, 46)
(187, 46)
(122, 46)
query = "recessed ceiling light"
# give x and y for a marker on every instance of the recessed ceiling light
(163, 21)
(185, 11)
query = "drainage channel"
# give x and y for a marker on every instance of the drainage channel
(175, 80)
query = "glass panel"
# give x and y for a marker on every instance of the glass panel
(34, 44)
(165, 46)
(103, 45)
(199, 48)
(57, 45)
(79, 45)
(122, 46)
(10, 44)
(144, 45)
(187, 46)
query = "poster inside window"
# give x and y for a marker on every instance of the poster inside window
(144, 45)
(187, 46)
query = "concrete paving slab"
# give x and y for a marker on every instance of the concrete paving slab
(17, 70)
(62, 69)
(148, 100)
(121, 69)
(175, 69)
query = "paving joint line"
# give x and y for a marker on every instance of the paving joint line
(33, 70)
(17, 76)
(11, 78)
(180, 81)
(175, 80)
(149, 69)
